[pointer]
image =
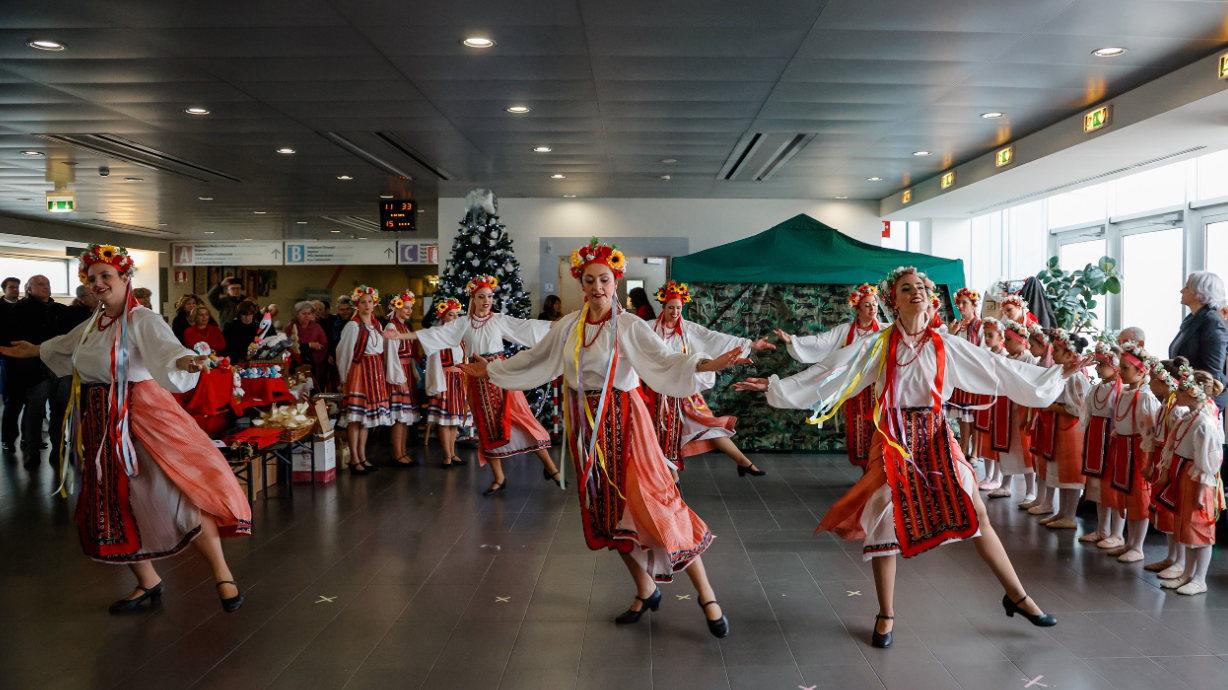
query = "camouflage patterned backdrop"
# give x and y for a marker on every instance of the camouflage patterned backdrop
(754, 310)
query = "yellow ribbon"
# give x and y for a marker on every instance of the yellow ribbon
(588, 410)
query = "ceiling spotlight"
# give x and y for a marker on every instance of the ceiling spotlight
(569, 196)
(161, 223)
(208, 232)
(43, 44)
(196, 111)
(665, 177)
(518, 109)
(344, 177)
(842, 197)
(542, 149)
(205, 198)
(335, 231)
(31, 153)
(1112, 51)
(285, 151)
(920, 153)
(260, 213)
(993, 116)
(300, 222)
(133, 179)
(875, 179)
(247, 239)
(558, 177)
(385, 196)
(669, 160)
(478, 42)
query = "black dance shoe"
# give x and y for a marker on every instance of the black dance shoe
(234, 603)
(1044, 620)
(552, 477)
(495, 489)
(881, 640)
(751, 470)
(359, 469)
(153, 594)
(369, 467)
(397, 462)
(649, 604)
(718, 627)
(456, 460)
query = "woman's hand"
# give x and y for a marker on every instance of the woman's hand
(784, 337)
(20, 349)
(315, 346)
(390, 332)
(760, 385)
(725, 361)
(475, 369)
(762, 344)
(193, 364)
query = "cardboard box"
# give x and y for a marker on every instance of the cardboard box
(325, 448)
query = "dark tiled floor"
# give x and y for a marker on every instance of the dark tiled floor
(429, 585)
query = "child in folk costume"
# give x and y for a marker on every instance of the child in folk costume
(685, 426)
(1015, 308)
(1064, 471)
(983, 441)
(506, 425)
(810, 349)
(627, 498)
(1010, 437)
(402, 396)
(445, 383)
(1195, 446)
(1097, 427)
(152, 481)
(918, 491)
(1165, 377)
(366, 365)
(1041, 425)
(963, 404)
(1134, 421)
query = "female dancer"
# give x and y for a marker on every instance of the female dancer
(685, 426)
(1161, 470)
(918, 490)
(506, 426)
(963, 403)
(1196, 447)
(1041, 425)
(1064, 472)
(402, 396)
(1011, 439)
(151, 480)
(627, 500)
(1097, 426)
(1134, 421)
(809, 349)
(445, 383)
(366, 366)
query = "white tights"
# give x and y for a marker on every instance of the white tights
(1198, 560)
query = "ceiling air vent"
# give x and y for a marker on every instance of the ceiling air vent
(355, 222)
(760, 155)
(129, 151)
(124, 228)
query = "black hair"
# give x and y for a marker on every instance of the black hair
(5, 283)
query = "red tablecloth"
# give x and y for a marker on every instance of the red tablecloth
(262, 393)
(211, 395)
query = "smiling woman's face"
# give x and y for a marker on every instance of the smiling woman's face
(911, 297)
(108, 284)
(483, 300)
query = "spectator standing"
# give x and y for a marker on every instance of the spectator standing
(183, 314)
(641, 305)
(12, 290)
(312, 343)
(35, 318)
(143, 297)
(552, 309)
(81, 309)
(242, 331)
(202, 331)
(227, 304)
(1203, 338)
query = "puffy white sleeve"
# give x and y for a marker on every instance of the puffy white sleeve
(809, 349)
(537, 365)
(713, 343)
(975, 370)
(345, 348)
(160, 349)
(393, 371)
(806, 389)
(443, 336)
(57, 352)
(1147, 414)
(665, 371)
(1208, 449)
(436, 381)
(1074, 394)
(523, 332)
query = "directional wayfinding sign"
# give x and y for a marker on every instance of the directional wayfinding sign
(227, 254)
(357, 253)
(417, 253)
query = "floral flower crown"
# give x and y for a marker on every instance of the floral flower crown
(937, 303)
(970, 294)
(1136, 355)
(1019, 330)
(672, 290)
(1061, 337)
(595, 252)
(447, 305)
(1105, 354)
(400, 300)
(1192, 388)
(1035, 331)
(863, 291)
(990, 322)
(482, 282)
(1016, 300)
(886, 287)
(105, 254)
(362, 291)
(1185, 371)
(1160, 372)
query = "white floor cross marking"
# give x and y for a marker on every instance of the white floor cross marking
(1035, 681)
(504, 599)
(807, 687)
(853, 593)
(682, 596)
(324, 599)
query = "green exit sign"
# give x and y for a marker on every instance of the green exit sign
(60, 205)
(1223, 66)
(1096, 119)
(1004, 156)
(948, 179)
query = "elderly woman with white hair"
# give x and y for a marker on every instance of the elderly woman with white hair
(1203, 338)
(312, 343)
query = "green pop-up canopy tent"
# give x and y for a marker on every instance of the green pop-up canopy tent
(795, 276)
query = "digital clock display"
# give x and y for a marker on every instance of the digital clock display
(398, 215)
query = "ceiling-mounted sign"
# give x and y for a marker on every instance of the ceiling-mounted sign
(948, 179)
(398, 215)
(1097, 118)
(906, 196)
(227, 254)
(356, 253)
(1223, 66)
(415, 253)
(1004, 156)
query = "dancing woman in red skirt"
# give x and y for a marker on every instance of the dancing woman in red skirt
(366, 365)
(918, 491)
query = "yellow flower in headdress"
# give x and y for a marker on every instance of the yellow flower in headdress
(107, 252)
(617, 261)
(576, 260)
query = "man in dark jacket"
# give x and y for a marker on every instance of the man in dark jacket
(33, 319)
(227, 305)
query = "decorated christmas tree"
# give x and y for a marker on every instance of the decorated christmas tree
(481, 248)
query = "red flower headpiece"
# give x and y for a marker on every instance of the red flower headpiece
(1016, 300)
(363, 290)
(447, 305)
(970, 294)
(989, 323)
(482, 282)
(863, 291)
(400, 300)
(105, 254)
(672, 290)
(595, 252)
(886, 287)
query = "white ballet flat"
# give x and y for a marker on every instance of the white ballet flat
(988, 485)
(1110, 543)
(1172, 572)
(1173, 584)
(1093, 537)
(1191, 588)
(1131, 557)
(1040, 510)
(1000, 493)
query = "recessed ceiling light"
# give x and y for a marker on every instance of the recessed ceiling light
(920, 153)
(669, 160)
(518, 109)
(993, 115)
(205, 198)
(665, 177)
(133, 179)
(285, 150)
(196, 111)
(875, 179)
(842, 197)
(344, 177)
(247, 239)
(300, 222)
(569, 196)
(208, 232)
(542, 149)
(161, 223)
(478, 42)
(31, 153)
(558, 177)
(1112, 51)
(43, 44)
(382, 196)
(334, 231)
(260, 213)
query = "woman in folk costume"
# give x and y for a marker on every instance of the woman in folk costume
(810, 349)
(1097, 427)
(1195, 446)
(1009, 435)
(1165, 384)
(1064, 471)
(402, 396)
(963, 404)
(367, 366)
(628, 500)
(685, 426)
(445, 383)
(1041, 425)
(918, 491)
(151, 480)
(1015, 308)
(506, 425)
(1134, 422)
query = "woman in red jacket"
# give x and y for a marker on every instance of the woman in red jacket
(202, 331)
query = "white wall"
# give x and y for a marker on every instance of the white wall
(951, 238)
(706, 223)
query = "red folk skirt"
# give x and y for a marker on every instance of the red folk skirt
(961, 405)
(685, 426)
(1163, 502)
(628, 501)
(450, 408)
(994, 427)
(1067, 451)
(1192, 525)
(180, 474)
(859, 426)
(1097, 448)
(1043, 438)
(403, 398)
(506, 426)
(1127, 489)
(366, 399)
